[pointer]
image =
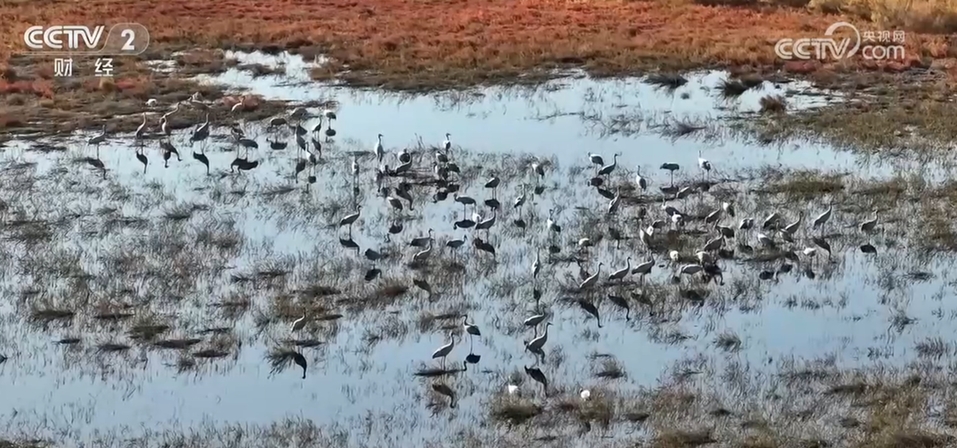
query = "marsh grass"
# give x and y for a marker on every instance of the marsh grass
(167, 283)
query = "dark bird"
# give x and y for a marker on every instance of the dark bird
(444, 389)
(372, 274)
(672, 167)
(142, 158)
(423, 285)
(480, 244)
(300, 361)
(202, 159)
(622, 303)
(822, 243)
(590, 308)
(300, 167)
(538, 376)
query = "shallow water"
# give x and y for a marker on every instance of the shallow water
(847, 313)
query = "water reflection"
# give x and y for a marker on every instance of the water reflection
(224, 260)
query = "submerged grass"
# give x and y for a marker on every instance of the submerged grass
(188, 281)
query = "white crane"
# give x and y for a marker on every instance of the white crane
(704, 163)
(447, 144)
(379, 151)
(550, 224)
(470, 329)
(511, 389)
(591, 280)
(640, 181)
(520, 200)
(728, 208)
(585, 394)
(151, 102)
(537, 265)
(537, 168)
(394, 202)
(444, 350)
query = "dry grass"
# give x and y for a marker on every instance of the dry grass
(493, 40)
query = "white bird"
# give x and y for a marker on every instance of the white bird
(585, 394)
(511, 389)
(810, 251)
(379, 151)
(394, 202)
(674, 256)
(621, 273)
(537, 343)
(520, 200)
(471, 329)
(299, 323)
(550, 224)
(704, 257)
(640, 181)
(704, 163)
(537, 265)
(592, 280)
(537, 168)
(584, 242)
(444, 350)
(151, 102)
(355, 166)
(728, 208)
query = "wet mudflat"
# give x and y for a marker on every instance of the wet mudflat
(157, 303)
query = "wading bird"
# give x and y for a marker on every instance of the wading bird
(443, 351)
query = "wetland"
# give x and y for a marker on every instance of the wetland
(722, 251)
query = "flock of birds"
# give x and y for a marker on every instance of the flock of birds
(656, 231)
